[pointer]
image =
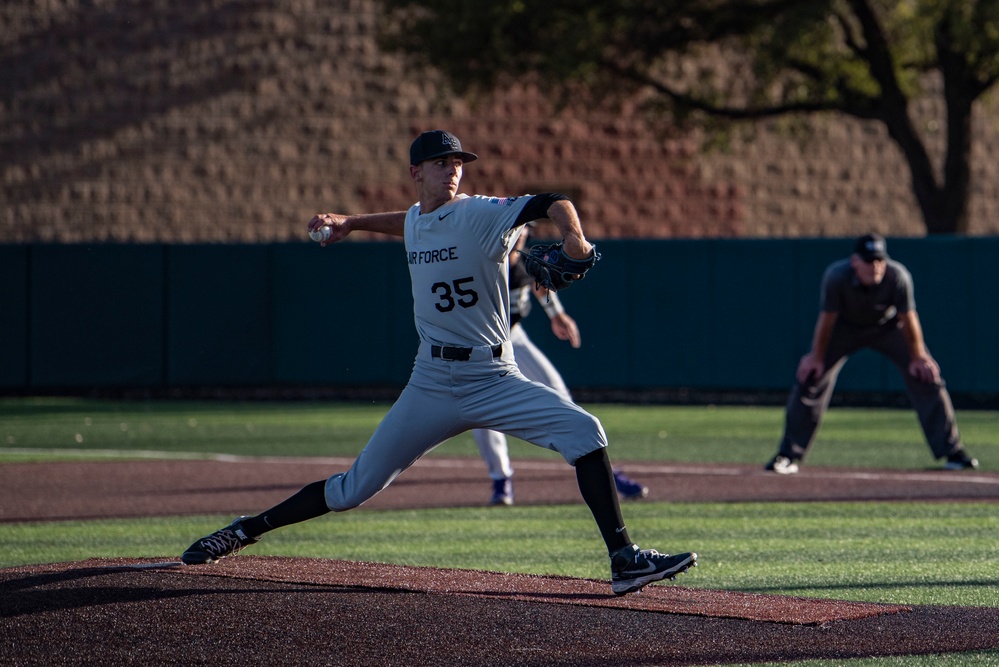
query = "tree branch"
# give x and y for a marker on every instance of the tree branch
(877, 54)
(722, 111)
(849, 38)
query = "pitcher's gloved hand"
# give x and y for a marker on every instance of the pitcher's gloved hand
(552, 268)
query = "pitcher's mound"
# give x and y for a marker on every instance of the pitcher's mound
(662, 598)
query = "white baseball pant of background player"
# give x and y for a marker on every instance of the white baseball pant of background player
(535, 366)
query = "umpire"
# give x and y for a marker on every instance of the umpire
(867, 301)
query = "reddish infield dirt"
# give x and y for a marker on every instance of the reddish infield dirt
(263, 610)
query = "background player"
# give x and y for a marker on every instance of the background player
(464, 376)
(867, 301)
(535, 366)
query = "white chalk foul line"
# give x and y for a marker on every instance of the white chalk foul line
(936, 477)
(940, 477)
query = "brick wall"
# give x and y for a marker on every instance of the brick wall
(223, 121)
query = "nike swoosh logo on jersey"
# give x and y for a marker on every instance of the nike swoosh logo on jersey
(504, 374)
(444, 215)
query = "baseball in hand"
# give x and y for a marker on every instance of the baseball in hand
(320, 234)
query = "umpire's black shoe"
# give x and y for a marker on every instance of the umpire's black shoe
(782, 465)
(632, 568)
(225, 542)
(960, 460)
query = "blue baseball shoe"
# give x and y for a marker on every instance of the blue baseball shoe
(629, 489)
(502, 492)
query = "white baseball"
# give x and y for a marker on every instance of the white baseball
(320, 234)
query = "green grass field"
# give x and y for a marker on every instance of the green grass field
(94, 429)
(908, 553)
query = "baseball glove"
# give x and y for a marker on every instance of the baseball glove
(552, 268)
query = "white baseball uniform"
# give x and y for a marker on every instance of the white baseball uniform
(457, 258)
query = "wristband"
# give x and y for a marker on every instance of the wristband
(553, 305)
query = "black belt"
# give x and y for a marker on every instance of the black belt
(459, 353)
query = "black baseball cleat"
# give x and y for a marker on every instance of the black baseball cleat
(225, 542)
(632, 568)
(960, 460)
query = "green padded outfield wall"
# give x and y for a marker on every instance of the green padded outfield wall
(95, 315)
(700, 314)
(686, 313)
(219, 315)
(13, 317)
(343, 315)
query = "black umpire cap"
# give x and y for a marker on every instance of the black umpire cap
(871, 247)
(435, 144)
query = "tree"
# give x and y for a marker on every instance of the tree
(715, 63)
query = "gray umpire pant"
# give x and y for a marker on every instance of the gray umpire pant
(808, 401)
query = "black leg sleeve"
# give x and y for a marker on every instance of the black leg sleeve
(308, 503)
(596, 484)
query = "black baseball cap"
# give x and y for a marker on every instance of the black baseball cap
(435, 144)
(871, 247)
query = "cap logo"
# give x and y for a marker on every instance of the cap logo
(435, 144)
(875, 246)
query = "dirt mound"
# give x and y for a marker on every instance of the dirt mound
(523, 587)
(255, 610)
